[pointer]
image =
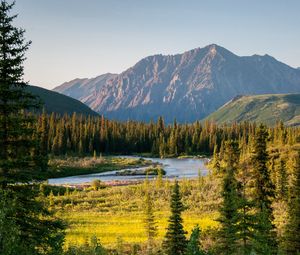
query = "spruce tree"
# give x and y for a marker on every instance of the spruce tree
(282, 181)
(229, 215)
(32, 228)
(16, 126)
(292, 240)
(149, 221)
(194, 246)
(264, 191)
(42, 132)
(175, 241)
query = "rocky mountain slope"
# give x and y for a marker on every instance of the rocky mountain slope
(267, 109)
(55, 102)
(186, 86)
(83, 89)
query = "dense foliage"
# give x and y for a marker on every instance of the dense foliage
(81, 135)
(16, 128)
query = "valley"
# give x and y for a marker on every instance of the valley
(170, 149)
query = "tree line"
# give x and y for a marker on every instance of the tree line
(84, 135)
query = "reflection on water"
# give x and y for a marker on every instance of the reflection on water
(179, 168)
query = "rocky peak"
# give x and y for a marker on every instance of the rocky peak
(187, 86)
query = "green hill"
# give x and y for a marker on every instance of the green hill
(260, 108)
(55, 102)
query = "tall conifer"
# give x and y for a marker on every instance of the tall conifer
(16, 126)
(30, 225)
(149, 221)
(229, 215)
(175, 241)
(292, 240)
(263, 193)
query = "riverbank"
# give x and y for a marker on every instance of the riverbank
(88, 185)
(187, 168)
(74, 166)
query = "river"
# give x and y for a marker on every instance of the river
(175, 168)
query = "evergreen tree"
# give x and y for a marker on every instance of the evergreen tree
(264, 230)
(27, 223)
(292, 240)
(149, 221)
(193, 246)
(282, 180)
(32, 228)
(229, 215)
(43, 138)
(175, 241)
(9, 240)
(16, 127)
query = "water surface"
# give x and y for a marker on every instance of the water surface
(175, 168)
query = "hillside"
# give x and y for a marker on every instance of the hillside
(186, 86)
(261, 108)
(55, 102)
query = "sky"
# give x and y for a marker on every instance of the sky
(85, 38)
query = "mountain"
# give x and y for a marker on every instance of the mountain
(83, 89)
(55, 102)
(187, 86)
(260, 108)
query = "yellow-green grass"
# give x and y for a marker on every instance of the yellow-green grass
(118, 212)
(128, 227)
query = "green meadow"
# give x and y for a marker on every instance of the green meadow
(116, 214)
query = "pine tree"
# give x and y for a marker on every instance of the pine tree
(264, 230)
(16, 127)
(292, 240)
(31, 226)
(194, 246)
(229, 215)
(175, 241)
(43, 138)
(282, 180)
(149, 221)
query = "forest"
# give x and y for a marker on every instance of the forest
(248, 203)
(82, 135)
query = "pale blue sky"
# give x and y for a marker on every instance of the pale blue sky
(85, 38)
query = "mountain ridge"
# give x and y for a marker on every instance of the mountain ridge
(189, 86)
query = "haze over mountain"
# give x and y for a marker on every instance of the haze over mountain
(260, 108)
(58, 103)
(83, 89)
(186, 86)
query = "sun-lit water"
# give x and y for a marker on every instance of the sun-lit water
(175, 168)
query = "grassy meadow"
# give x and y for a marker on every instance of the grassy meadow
(116, 214)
